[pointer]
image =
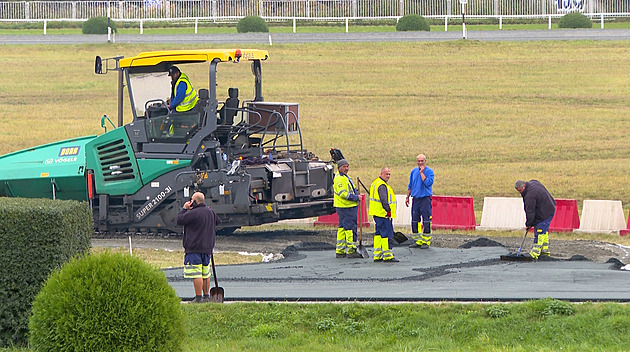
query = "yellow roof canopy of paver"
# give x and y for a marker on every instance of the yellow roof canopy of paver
(173, 57)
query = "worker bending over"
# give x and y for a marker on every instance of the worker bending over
(540, 208)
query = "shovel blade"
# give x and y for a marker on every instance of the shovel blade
(363, 251)
(399, 237)
(216, 294)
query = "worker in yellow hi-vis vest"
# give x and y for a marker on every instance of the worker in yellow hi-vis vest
(346, 202)
(382, 207)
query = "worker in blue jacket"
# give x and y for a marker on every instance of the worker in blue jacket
(421, 189)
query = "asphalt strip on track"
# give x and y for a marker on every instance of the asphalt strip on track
(311, 273)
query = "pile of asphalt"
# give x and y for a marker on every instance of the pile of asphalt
(481, 242)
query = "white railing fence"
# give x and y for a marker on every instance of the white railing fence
(222, 10)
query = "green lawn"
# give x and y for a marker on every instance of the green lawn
(540, 325)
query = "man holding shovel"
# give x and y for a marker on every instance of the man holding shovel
(346, 201)
(540, 208)
(200, 229)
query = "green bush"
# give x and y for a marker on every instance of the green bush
(36, 236)
(97, 25)
(252, 24)
(106, 302)
(412, 23)
(575, 20)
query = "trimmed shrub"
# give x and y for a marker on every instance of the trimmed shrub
(412, 23)
(36, 236)
(575, 20)
(106, 302)
(97, 25)
(252, 24)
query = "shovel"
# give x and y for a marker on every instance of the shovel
(360, 248)
(518, 256)
(216, 293)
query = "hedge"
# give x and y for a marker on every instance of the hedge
(252, 24)
(412, 23)
(36, 236)
(575, 20)
(106, 302)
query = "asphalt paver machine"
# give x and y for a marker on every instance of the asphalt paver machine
(246, 156)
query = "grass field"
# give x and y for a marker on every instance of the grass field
(484, 113)
(539, 325)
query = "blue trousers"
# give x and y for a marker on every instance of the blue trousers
(421, 212)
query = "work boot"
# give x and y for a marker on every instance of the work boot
(424, 246)
(354, 255)
(340, 255)
(393, 260)
(546, 254)
(378, 260)
(415, 245)
(205, 298)
(197, 299)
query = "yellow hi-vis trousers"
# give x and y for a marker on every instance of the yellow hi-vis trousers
(345, 241)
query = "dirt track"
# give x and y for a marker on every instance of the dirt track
(276, 240)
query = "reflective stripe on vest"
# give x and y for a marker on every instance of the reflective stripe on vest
(375, 208)
(342, 187)
(191, 98)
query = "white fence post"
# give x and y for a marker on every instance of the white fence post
(45, 24)
(141, 27)
(354, 10)
(402, 8)
(260, 8)
(168, 9)
(74, 10)
(27, 10)
(500, 22)
(446, 23)
(602, 20)
(120, 10)
(549, 21)
(293, 24)
(346, 24)
(214, 9)
(308, 9)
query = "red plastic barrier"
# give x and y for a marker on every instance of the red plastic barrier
(333, 220)
(455, 213)
(627, 230)
(566, 218)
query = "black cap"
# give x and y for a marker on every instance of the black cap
(172, 70)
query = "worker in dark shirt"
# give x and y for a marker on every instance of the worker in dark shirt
(200, 229)
(540, 208)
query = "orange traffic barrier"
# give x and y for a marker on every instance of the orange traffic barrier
(455, 213)
(333, 220)
(566, 218)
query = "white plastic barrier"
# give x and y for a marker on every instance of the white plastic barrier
(403, 214)
(602, 216)
(501, 213)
